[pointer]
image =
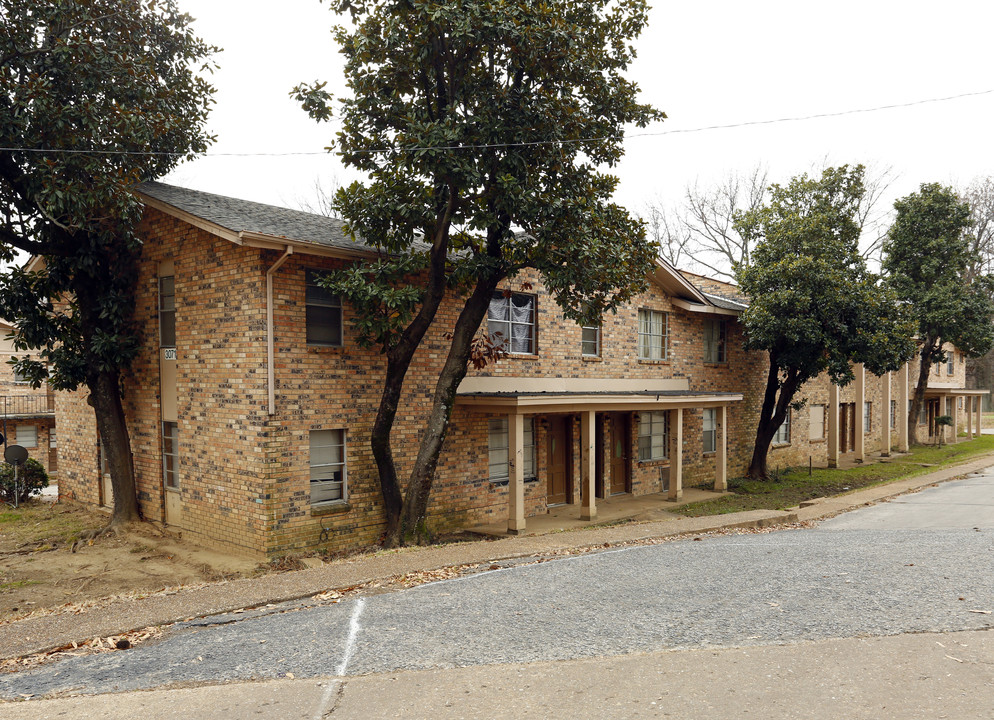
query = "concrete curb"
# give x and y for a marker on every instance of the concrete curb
(49, 632)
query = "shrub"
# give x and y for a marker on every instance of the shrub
(31, 478)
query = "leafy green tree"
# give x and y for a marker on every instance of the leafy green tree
(928, 260)
(95, 97)
(482, 125)
(814, 306)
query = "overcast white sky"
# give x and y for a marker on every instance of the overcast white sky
(704, 62)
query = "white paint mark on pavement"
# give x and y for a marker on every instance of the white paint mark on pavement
(333, 685)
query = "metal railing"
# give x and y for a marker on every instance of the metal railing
(26, 405)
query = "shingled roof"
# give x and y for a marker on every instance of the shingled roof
(241, 216)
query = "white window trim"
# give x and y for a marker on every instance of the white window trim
(784, 429)
(597, 340)
(657, 422)
(343, 463)
(507, 338)
(500, 474)
(646, 336)
(26, 430)
(174, 485)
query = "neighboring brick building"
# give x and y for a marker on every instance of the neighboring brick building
(27, 415)
(250, 404)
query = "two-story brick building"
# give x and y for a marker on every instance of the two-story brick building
(250, 404)
(27, 415)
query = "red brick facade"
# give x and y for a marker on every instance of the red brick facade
(244, 475)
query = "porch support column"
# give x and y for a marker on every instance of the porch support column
(955, 403)
(588, 506)
(860, 413)
(833, 425)
(885, 416)
(902, 409)
(969, 417)
(980, 408)
(676, 454)
(516, 475)
(721, 449)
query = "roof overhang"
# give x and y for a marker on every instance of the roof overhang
(524, 395)
(954, 392)
(676, 285)
(697, 307)
(250, 238)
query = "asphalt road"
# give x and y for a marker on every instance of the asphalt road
(875, 572)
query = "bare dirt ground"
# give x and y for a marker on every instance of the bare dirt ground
(39, 568)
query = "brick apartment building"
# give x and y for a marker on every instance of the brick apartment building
(250, 404)
(27, 415)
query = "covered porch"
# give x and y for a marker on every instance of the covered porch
(960, 404)
(597, 415)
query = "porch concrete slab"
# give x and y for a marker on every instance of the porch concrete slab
(617, 508)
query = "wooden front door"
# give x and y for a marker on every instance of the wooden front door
(559, 461)
(620, 443)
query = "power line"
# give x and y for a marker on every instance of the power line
(490, 146)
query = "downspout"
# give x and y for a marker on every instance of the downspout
(271, 371)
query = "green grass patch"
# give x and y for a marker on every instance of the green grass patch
(9, 586)
(795, 486)
(6, 517)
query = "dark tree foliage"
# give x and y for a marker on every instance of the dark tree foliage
(483, 125)
(95, 97)
(932, 266)
(814, 306)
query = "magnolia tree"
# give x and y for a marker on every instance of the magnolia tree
(936, 270)
(95, 98)
(483, 126)
(814, 306)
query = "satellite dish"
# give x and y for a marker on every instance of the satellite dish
(15, 454)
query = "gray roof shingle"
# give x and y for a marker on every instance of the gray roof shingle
(243, 215)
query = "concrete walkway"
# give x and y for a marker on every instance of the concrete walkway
(42, 633)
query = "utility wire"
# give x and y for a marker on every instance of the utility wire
(487, 146)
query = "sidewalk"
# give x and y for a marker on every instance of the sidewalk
(39, 634)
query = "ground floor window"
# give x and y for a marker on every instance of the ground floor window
(893, 413)
(654, 435)
(867, 416)
(710, 430)
(499, 449)
(170, 455)
(328, 471)
(782, 436)
(27, 436)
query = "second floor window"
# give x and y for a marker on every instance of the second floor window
(653, 334)
(714, 341)
(324, 313)
(513, 317)
(590, 342)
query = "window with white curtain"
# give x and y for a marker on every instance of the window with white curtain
(511, 322)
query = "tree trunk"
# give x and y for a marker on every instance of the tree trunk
(413, 526)
(771, 417)
(928, 351)
(105, 397)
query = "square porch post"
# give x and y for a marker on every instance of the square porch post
(902, 409)
(860, 418)
(969, 417)
(885, 415)
(588, 505)
(833, 425)
(980, 408)
(516, 474)
(721, 448)
(676, 454)
(955, 413)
